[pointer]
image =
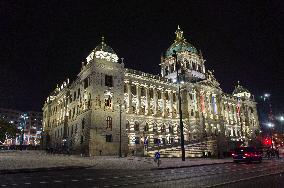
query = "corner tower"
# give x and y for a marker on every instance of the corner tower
(107, 81)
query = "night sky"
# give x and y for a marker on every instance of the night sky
(44, 42)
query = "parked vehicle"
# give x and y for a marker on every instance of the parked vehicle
(247, 154)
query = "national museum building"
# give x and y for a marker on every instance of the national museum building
(108, 101)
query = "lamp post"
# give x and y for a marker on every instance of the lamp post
(120, 139)
(271, 125)
(180, 112)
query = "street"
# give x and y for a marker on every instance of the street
(269, 173)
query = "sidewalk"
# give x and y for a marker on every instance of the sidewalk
(24, 161)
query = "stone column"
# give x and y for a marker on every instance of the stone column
(147, 107)
(171, 102)
(138, 105)
(164, 103)
(155, 97)
(129, 101)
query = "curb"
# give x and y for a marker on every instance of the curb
(174, 167)
(31, 170)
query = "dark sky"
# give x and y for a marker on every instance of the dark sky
(44, 42)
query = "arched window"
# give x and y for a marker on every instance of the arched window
(83, 123)
(136, 126)
(109, 123)
(171, 130)
(192, 113)
(89, 101)
(155, 128)
(146, 128)
(163, 128)
(108, 102)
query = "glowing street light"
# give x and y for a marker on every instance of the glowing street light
(265, 96)
(270, 125)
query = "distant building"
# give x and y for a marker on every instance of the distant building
(84, 115)
(30, 123)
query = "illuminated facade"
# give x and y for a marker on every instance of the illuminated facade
(84, 116)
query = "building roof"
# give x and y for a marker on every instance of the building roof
(240, 89)
(180, 44)
(104, 47)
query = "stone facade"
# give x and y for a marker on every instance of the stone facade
(84, 116)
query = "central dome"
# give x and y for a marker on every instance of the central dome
(180, 45)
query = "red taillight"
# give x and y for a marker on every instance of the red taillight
(247, 154)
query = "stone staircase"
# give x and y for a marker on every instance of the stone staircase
(191, 149)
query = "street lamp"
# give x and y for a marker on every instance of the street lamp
(120, 139)
(180, 111)
(271, 125)
(265, 96)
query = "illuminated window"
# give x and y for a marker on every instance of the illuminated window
(109, 123)
(108, 102)
(108, 81)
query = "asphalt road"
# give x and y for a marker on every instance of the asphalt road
(267, 174)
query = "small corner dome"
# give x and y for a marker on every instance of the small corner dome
(103, 51)
(180, 45)
(240, 91)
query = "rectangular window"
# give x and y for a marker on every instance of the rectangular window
(108, 138)
(86, 83)
(133, 89)
(74, 96)
(143, 92)
(137, 140)
(108, 81)
(174, 97)
(79, 93)
(125, 88)
(159, 94)
(166, 95)
(151, 93)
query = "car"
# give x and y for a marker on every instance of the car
(246, 154)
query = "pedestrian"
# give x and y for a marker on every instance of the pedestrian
(100, 152)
